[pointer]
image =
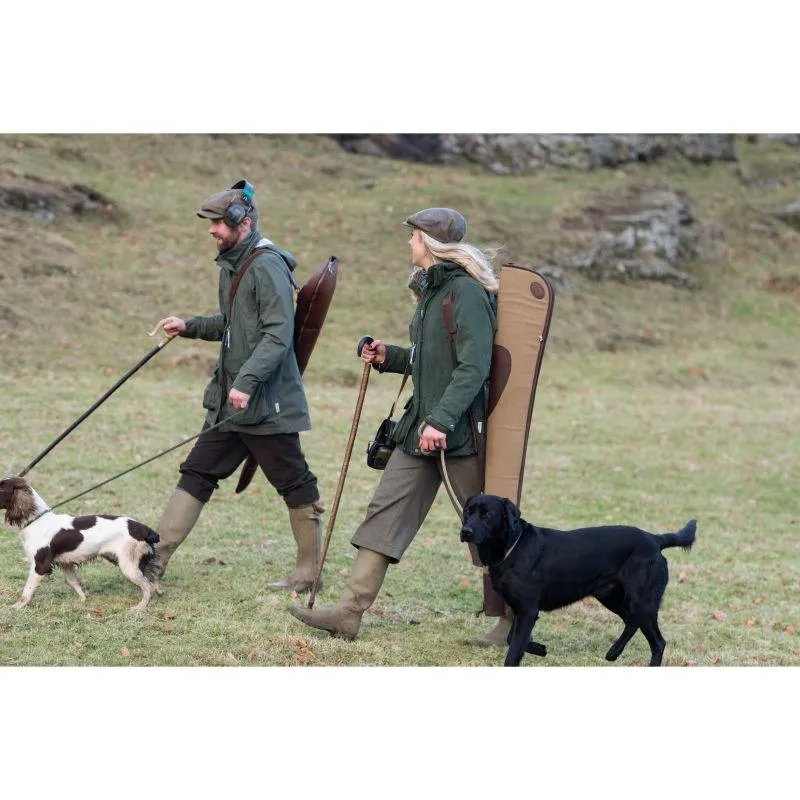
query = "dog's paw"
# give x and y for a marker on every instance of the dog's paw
(536, 649)
(19, 605)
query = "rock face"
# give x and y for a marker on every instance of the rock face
(790, 215)
(518, 154)
(45, 199)
(791, 139)
(645, 232)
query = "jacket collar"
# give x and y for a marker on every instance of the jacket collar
(440, 273)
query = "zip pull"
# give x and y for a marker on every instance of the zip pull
(413, 351)
(228, 338)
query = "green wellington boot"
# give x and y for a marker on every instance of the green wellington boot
(177, 521)
(306, 523)
(344, 618)
(494, 606)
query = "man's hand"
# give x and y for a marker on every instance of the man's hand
(173, 326)
(375, 351)
(431, 440)
(238, 399)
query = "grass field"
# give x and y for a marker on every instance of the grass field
(702, 425)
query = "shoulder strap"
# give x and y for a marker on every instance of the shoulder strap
(238, 279)
(240, 274)
(449, 325)
(402, 384)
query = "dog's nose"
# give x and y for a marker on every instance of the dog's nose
(467, 533)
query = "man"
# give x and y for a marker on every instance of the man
(256, 391)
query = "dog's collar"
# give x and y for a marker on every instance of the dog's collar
(38, 516)
(516, 542)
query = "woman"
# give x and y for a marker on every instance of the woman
(446, 411)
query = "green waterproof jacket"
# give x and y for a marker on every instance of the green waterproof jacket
(449, 396)
(257, 343)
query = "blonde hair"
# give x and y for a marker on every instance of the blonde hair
(478, 263)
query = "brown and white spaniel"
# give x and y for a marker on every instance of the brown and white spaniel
(59, 539)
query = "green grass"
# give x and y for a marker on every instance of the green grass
(701, 424)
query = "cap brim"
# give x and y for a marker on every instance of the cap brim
(205, 213)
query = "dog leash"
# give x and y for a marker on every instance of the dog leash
(134, 369)
(448, 486)
(459, 509)
(136, 466)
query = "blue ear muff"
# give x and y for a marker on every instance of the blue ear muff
(237, 211)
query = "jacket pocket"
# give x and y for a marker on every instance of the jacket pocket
(461, 435)
(212, 394)
(257, 410)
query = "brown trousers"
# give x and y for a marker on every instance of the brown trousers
(404, 496)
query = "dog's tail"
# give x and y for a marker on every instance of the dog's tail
(683, 538)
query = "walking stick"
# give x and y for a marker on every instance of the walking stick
(100, 402)
(343, 472)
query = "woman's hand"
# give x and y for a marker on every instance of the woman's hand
(374, 351)
(430, 440)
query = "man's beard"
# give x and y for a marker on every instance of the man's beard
(228, 242)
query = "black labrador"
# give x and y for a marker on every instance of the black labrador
(541, 569)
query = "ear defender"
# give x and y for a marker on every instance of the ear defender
(237, 211)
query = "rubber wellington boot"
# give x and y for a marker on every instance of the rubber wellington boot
(344, 618)
(498, 635)
(178, 519)
(494, 606)
(306, 524)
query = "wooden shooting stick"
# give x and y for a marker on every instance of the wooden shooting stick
(362, 391)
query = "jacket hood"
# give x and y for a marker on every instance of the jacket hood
(439, 273)
(235, 255)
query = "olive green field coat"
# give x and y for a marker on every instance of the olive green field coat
(256, 344)
(445, 392)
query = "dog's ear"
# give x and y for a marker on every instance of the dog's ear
(511, 514)
(18, 502)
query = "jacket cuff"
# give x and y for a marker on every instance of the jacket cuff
(246, 384)
(396, 359)
(192, 329)
(440, 426)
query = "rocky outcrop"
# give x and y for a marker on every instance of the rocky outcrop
(45, 199)
(791, 139)
(521, 153)
(643, 232)
(517, 154)
(790, 215)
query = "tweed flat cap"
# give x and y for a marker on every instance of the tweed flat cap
(443, 224)
(215, 206)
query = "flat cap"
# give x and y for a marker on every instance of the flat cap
(215, 206)
(443, 224)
